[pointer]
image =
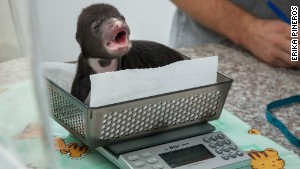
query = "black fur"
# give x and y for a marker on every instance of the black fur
(147, 54)
(142, 54)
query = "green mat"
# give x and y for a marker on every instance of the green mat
(26, 144)
(242, 134)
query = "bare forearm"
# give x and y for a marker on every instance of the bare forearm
(267, 39)
(221, 16)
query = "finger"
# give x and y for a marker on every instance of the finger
(284, 54)
(279, 63)
(285, 59)
(285, 29)
(277, 58)
(284, 44)
(274, 60)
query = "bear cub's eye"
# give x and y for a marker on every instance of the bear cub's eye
(95, 26)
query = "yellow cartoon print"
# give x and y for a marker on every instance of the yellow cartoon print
(267, 159)
(254, 131)
(73, 149)
(2, 90)
(32, 130)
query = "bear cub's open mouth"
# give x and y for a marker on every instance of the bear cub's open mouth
(120, 40)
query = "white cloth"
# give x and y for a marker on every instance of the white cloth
(115, 87)
(61, 73)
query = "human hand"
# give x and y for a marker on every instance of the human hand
(270, 42)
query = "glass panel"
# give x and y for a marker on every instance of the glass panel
(23, 141)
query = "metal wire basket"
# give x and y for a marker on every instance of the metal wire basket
(99, 126)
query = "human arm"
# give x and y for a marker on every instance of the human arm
(268, 40)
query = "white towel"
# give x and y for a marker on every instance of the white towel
(114, 87)
(60, 73)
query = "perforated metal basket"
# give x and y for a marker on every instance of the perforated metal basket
(98, 126)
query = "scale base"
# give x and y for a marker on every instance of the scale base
(207, 150)
(160, 138)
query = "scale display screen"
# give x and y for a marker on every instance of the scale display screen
(186, 156)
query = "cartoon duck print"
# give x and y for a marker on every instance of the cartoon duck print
(32, 130)
(2, 90)
(73, 149)
(254, 131)
(267, 159)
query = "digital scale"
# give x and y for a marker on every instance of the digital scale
(168, 131)
(210, 150)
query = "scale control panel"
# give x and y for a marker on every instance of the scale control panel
(213, 150)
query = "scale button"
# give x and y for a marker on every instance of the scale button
(151, 160)
(138, 163)
(233, 147)
(232, 154)
(206, 139)
(213, 138)
(225, 157)
(133, 157)
(219, 151)
(227, 142)
(157, 166)
(239, 153)
(146, 154)
(219, 143)
(212, 145)
(226, 149)
(220, 136)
